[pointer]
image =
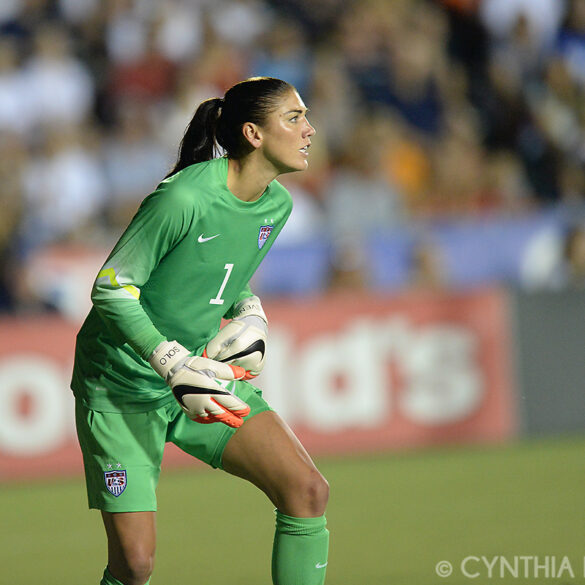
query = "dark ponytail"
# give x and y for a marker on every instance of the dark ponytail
(217, 123)
(198, 143)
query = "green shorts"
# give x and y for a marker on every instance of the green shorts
(122, 452)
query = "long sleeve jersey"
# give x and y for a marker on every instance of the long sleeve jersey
(182, 264)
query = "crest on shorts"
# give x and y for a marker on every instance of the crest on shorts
(264, 234)
(116, 481)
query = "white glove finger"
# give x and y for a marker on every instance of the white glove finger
(230, 402)
(227, 409)
(224, 338)
(231, 332)
(231, 414)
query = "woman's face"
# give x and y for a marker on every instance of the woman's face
(286, 135)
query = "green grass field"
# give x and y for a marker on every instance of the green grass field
(392, 519)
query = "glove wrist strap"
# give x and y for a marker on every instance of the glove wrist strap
(250, 307)
(167, 356)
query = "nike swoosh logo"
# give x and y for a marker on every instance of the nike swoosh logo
(321, 565)
(201, 239)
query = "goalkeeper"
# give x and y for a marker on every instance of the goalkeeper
(151, 362)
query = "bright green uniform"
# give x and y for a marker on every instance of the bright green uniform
(183, 262)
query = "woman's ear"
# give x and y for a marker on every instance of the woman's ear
(252, 134)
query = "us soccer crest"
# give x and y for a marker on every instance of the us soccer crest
(116, 481)
(264, 234)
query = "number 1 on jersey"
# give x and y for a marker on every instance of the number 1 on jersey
(218, 300)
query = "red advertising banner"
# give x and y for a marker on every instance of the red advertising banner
(350, 374)
(356, 374)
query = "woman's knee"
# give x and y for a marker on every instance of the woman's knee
(318, 491)
(306, 495)
(132, 567)
(131, 545)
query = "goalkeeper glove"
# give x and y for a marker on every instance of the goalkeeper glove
(242, 341)
(193, 382)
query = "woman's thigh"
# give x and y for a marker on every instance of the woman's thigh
(266, 452)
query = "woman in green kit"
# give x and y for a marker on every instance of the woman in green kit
(151, 362)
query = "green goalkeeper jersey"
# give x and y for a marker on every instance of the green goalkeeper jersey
(182, 264)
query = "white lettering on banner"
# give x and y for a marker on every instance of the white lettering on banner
(353, 357)
(48, 421)
(443, 383)
(439, 381)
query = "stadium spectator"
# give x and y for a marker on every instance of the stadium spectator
(179, 30)
(12, 162)
(284, 54)
(556, 260)
(427, 268)
(60, 86)
(16, 111)
(240, 23)
(570, 42)
(359, 199)
(63, 189)
(133, 162)
(543, 17)
(333, 98)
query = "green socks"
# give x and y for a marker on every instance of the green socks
(107, 579)
(299, 555)
(301, 545)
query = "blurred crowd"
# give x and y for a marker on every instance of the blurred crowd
(425, 110)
